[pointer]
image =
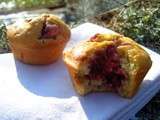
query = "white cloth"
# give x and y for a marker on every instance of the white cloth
(31, 92)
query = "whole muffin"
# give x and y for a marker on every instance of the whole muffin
(40, 40)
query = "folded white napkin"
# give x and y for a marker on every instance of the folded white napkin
(30, 92)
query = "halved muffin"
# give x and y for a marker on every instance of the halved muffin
(39, 40)
(107, 62)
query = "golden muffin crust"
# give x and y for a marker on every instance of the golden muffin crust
(28, 32)
(134, 60)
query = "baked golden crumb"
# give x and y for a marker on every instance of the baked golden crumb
(40, 40)
(107, 62)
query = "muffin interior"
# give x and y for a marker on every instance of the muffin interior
(105, 71)
(105, 66)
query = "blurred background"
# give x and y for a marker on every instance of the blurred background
(138, 19)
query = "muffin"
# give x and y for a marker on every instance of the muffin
(107, 62)
(40, 40)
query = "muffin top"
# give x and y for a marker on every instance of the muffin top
(42, 31)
